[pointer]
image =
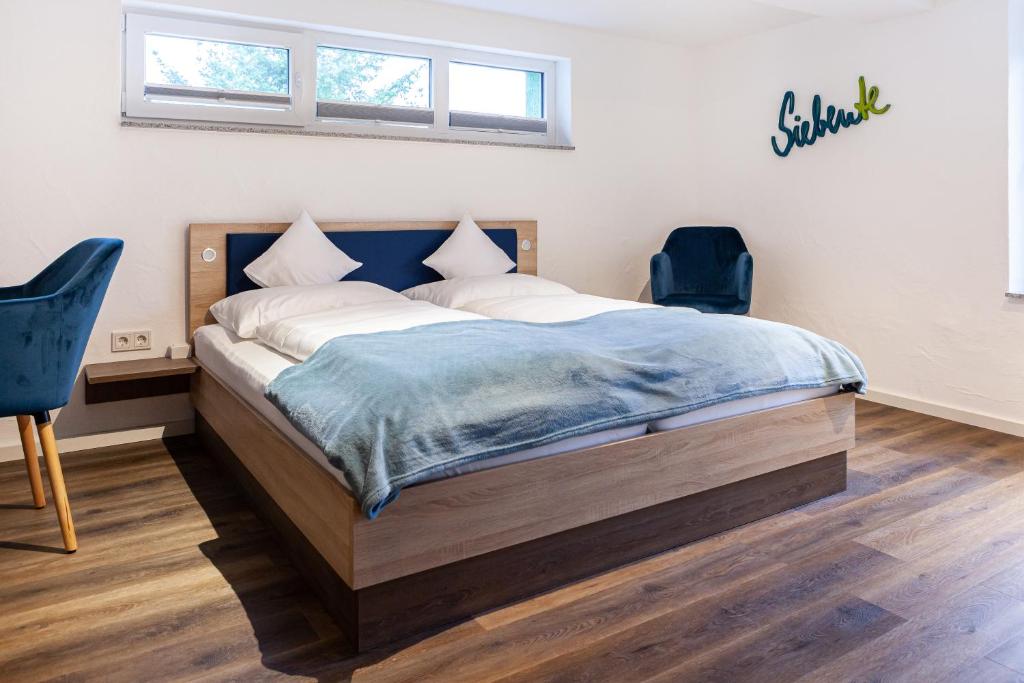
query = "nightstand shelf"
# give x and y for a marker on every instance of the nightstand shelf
(123, 380)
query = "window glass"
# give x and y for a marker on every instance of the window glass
(496, 90)
(372, 78)
(190, 62)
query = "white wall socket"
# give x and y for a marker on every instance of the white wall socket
(143, 340)
(131, 340)
(121, 341)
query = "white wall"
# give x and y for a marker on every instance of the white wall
(892, 236)
(69, 170)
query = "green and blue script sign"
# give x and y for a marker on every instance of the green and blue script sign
(797, 131)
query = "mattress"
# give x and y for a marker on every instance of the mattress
(247, 366)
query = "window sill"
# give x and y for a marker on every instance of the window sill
(167, 124)
(1016, 296)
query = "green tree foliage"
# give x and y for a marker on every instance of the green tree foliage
(345, 75)
(171, 76)
(534, 95)
(349, 76)
(244, 67)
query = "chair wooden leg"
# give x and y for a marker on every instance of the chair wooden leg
(28, 446)
(53, 471)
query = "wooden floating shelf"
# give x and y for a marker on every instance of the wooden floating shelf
(124, 380)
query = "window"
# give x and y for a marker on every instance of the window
(498, 98)
(251, 71)
(180, 69)
(196, 67)
(362, 86)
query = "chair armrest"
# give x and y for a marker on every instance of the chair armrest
(25, 325)
(662, 278)
(30, 329)
(745, 276)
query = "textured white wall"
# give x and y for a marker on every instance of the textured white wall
(891, 237)
(69, 171)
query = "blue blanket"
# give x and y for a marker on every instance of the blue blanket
(393, 408)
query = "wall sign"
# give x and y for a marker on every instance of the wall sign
(802, 132)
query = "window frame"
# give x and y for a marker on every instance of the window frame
(137, 104)
(385, 47)
(545, 68)
(302, 44)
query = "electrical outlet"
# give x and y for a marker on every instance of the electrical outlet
(121, 341)
(142, 340)
(131, 340)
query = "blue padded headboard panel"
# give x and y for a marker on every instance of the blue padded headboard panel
(392, 258)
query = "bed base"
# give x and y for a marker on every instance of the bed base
(423, 602)
(449, 549)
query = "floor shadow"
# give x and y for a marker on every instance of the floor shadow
(13, 545)
(31, 547)
(286, 636)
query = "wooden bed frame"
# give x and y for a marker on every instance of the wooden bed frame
(452, 548)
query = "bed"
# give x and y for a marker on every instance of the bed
(475, 538)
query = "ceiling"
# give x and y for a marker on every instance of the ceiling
(693, 22)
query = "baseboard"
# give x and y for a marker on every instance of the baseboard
(997, 424)
(81, 443)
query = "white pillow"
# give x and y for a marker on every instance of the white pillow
(242, 313)
(461, 291)
(468, 252)
(301, 256)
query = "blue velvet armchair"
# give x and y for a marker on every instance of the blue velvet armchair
(705, 268)
(46, 324)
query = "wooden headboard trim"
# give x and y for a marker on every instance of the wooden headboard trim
(207, 281)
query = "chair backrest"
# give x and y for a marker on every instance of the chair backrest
(48, 327)
(704, 258)
(74, 263)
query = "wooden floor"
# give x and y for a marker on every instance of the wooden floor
(916, 573)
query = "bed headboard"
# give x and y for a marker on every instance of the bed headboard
(391, 252)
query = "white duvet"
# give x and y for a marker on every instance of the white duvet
(515, 296)
(300, 336)
(549, 308)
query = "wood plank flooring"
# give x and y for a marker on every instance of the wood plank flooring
(916, 573)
